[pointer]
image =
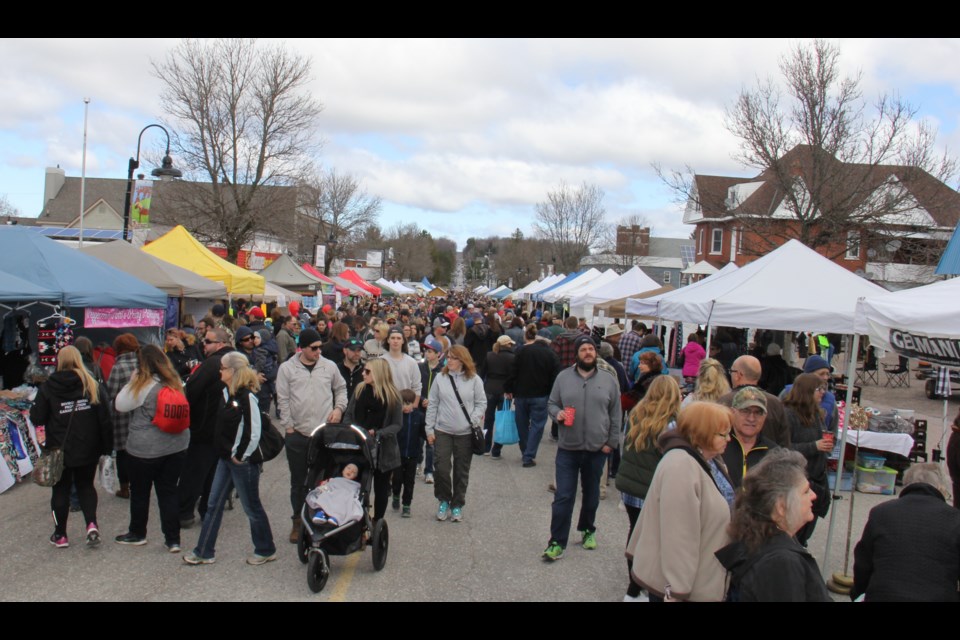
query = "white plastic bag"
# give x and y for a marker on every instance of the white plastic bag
(108, 474)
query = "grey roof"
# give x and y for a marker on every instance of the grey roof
(668, 247)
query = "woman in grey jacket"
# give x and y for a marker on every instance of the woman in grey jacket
(448, 429)
(155, 457)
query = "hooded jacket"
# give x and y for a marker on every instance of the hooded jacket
(91, 431)
(683, 522)
(779, 571)
(596, 399)
(204, 391)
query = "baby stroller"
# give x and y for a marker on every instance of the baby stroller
(331, 448)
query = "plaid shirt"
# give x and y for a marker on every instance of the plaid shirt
(629, 344)
(564, 346)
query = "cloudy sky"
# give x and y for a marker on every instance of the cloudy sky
(461, 136)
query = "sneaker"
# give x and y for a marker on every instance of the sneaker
(552, 487)
(553, 551)
(256, 559)
(442, 512)
(456, 514)
(428, 478)
(529, 463)
(406, 511)
(589, 540)
(60, 542)
(495, 456)
(396, 503)
(192, 558)
(172, 547)
(643, 597)
(486, 453)
(93, 535)
(129, 538)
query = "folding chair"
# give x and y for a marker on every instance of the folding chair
(898, 376)
(869, 369)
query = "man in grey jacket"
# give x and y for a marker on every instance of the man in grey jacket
(310, 392)
(586, 403)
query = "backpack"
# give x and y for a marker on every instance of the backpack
(173, 411)
(271, 441)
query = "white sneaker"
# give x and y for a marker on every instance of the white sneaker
(643, 597)
(428, 478)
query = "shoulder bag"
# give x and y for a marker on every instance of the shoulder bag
(49, 467)
(476, 432)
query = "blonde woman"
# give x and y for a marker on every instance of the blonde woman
(155, 457)
(74, 412)
(374, 347)
(236, 438)
(656, 413)
(377, 407)
(712, 383)
(449, 423)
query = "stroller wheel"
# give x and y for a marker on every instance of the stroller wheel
(303, 545)
(318, 571)
(380, 542)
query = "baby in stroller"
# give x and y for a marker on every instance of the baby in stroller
(337, 500)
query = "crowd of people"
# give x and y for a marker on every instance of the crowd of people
(721, 471)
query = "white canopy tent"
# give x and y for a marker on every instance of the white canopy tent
(648, 307)
(401, 288)
(702, 268)
(605, 278)
(792, 288)
(482, 289)
(631, 283)
(560, 292)
(494, 292)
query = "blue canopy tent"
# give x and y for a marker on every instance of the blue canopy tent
(950, 260)
(16, 289)
(78, 280)
(426, 284)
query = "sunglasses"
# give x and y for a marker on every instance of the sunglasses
(246, 339)
(205, 341)
(313, 347)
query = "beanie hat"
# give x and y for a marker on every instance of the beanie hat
(584, 339)
(814, 363)
(308, 337)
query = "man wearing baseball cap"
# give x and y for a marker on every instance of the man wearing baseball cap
(430, 368)
(351, 367)
(748, 446)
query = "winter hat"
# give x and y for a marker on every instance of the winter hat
(308, 337)
(773, 349)
(217, 310)
(255, 312)
(814, 363)
(583, 339)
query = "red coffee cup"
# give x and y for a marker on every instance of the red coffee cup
(829, 438)
(569, 414)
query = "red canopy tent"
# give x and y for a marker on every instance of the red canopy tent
(355, 278)
(312, 271)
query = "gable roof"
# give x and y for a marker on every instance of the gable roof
(939, 200)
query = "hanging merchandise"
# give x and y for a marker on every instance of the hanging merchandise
(53, 333)
(18, 445)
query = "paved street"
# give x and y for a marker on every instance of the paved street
(494, 555)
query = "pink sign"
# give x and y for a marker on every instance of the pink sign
(112, 318)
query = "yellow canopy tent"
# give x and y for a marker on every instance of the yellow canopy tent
(182, 249)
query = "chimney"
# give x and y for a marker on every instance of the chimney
(52, 183)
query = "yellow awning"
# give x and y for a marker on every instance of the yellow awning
(182, 249)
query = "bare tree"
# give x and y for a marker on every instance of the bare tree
(7, 208)
(243, 124)
(830, 165)
(572, 221)
(339, 207)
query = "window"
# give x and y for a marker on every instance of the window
(853, 245)
(740, 241)
(717, 243)
(700, 242)
(666, 277)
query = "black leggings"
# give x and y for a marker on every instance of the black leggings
(404, 478)
(82, 477)
(633, 589)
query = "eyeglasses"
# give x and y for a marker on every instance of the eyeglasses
(752, 413)
(821, 389)
(313, 347)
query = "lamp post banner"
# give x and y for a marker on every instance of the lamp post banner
(113, 318)
(142, 193)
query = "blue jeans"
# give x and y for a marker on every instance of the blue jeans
(246, 478)
(531, 418)
(588, 466)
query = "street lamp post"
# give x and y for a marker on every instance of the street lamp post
(166, 170)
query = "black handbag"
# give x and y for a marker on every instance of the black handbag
(477, 441)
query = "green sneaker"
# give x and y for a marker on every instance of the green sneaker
(589, 540)
(443, 511)
(406, 511)
(396, 503)
(553, 551)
